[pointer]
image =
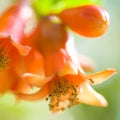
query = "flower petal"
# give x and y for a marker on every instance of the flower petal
(37, 66)
(68, 69)
(100, 76)
(89, 96)
(23, 50)
(36, 80)
(6, 80)
(13, 23)
(41, 94)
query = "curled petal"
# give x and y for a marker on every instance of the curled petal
(23, 50)
(100, 76)
(89, 96)
(36, 80)
(41, 94)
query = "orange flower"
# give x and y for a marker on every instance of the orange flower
(12, 26)
(67, 90)
(53, 49)
(63, 81)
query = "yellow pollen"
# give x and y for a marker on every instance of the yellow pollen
(6, 53)
(64, 94)
(4, 60)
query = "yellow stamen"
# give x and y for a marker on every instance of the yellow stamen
(64, 92)
(7, 53)
(4, 59)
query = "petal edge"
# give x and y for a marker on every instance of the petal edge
(89, 96)
(100, 76)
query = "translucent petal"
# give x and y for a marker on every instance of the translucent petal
(89, 96)
(100, 76)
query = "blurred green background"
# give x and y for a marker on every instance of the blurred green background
(105, 51)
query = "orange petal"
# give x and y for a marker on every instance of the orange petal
(8, 52)
(89, 96)
(37, 66)
(6, 80)
(68, 69)
(13, 23)
(36, 80)
(23, 50)
(100, 76)
(41, 94)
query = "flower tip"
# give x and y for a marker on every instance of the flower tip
(109, 72)
(112, 70)
(104, 103)
(100, 101)
(101, 76)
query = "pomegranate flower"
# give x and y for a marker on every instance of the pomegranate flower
(12, 26)
(64, 82)
(68, 89)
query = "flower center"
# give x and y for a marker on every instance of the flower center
(7, 53)
(64, 93)
(4, 60)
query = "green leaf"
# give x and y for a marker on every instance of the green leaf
(63, 4)
(42, 6)
(46, 7)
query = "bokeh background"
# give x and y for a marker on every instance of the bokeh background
(105, 51)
